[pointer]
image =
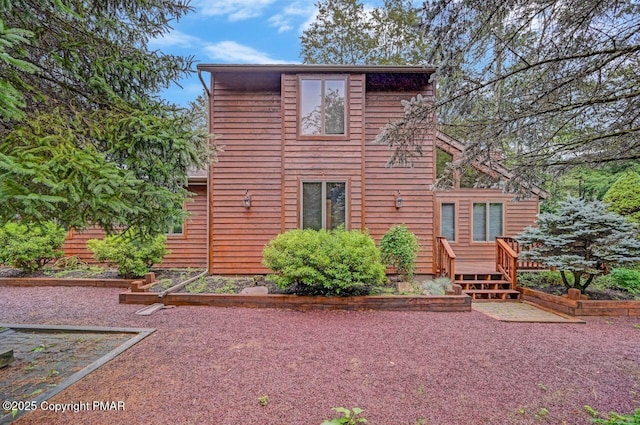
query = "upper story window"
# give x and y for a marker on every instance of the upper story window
(323, 106)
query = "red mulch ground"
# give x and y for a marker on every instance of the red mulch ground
(209, 365)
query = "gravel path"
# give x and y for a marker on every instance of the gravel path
(210, 366)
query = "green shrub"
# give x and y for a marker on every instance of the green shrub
(627, 279)
(30, 246)
(322, 262)
(624, 198)
(131, 253)
(541, 279)
(399, 248)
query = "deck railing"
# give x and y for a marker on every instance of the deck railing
(445, 258)
(507, 260)
(518, 248)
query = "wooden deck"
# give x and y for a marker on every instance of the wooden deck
(475, 267)
(488, 280)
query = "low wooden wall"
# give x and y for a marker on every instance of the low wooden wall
(45, 281)
(458, 303)
(581, 307)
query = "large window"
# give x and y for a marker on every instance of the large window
(487, 221)
(322, 107)
(448, 221)
(324, 205)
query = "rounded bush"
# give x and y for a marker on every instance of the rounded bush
(29, 246)
(399, 248)
(320, 262)
(131, 253)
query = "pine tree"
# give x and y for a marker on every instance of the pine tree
(552, 84)
(581, 238)
(85, 138)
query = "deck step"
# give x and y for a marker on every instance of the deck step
(472, 282)
(484, 285)
(479, 276)
(493, 294)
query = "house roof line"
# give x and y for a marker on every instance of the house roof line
(409, 69)
(451, 146)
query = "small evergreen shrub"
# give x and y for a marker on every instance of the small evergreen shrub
(30, 246)
(321, 262)
(627, 279)
(399, 248)
(131, 253)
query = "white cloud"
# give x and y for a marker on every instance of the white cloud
(293, 12)
(281, 22)
(174, 39)
(232, 52)
(235, 10)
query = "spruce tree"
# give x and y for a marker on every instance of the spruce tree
(85, 139)
(581, 238)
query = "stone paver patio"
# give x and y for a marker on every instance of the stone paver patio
(521, 312)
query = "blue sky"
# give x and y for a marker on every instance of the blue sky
(237, 31)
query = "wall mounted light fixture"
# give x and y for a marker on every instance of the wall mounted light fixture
(247, 200)
(399, 200)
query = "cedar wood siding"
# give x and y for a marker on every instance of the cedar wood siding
(255, 117)
(383, 183)
(190, 248)
(263, 152)
(248, 126)
(187, 250)
(323, 160)
(517, 215)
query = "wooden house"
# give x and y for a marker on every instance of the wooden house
(298, 145)
(298, 152)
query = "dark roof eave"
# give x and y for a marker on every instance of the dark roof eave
(285, 68)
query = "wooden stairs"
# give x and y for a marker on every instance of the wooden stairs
(483, 280)
(486, 286)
